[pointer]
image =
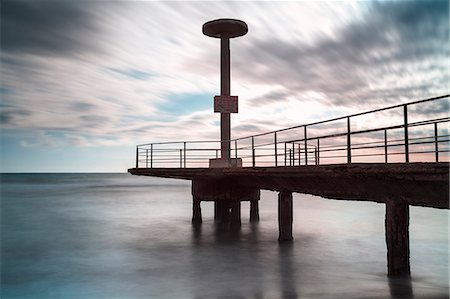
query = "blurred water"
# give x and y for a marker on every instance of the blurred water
(120, 236)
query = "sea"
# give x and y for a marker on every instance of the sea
(122, 236)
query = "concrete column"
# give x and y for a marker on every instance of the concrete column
(196, 211)
(285, 216)
(224, 211)
(254, 210)
(235, 214)
(216, 210)
(225, 127)
(397, 238)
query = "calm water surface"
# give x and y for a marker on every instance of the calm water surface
(120, 236)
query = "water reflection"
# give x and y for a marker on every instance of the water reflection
(224, 235)
(254, 233)
(196, 234)
(401, 288)
(287, 270)
(221, 260)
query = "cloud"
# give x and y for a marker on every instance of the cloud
(81, 106)
(47, 27)
(363, 61)
(42, 139)
(439, 108)
(186, 103)
(9, 116)
(130, 73)
(101, 73)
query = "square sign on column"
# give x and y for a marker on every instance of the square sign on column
(226, 104)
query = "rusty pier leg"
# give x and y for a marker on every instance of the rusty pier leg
(397, 238)
(196, 211)
(285, 216)
(254, 210)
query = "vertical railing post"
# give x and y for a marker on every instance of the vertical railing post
(285, 153)
(276, 148)
(290, 157)
(181, 158)
(315, 156)
(405, 116)
(318, 151)
(151, 155)
(235, 149)
(293, 156)
(184, 154)
(349, 149)
(146, 158)
(253, 152)
(385, 147)
(299, 154)
(293, 153)
(436, 145)
(137, 157)
(306, 146)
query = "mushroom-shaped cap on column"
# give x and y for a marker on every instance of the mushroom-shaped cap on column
(225, 28)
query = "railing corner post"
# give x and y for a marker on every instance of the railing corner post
(137, 156)
(151, 155)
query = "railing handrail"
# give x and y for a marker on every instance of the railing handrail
(344, 117)
(432, 121)
(299, 146)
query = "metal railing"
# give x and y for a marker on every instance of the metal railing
(416, 132)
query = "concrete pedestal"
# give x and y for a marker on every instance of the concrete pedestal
(225, 163)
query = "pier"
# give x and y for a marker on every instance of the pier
(285, 168)
(400, 160)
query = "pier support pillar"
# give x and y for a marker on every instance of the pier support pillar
(235, 206)
(285, 216)
(216, 211)
(196, 211)
(224, 211)
(397, 238)
(254, 210)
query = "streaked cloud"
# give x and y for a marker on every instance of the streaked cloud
(47, 27)
(130, 73)
(102, 73)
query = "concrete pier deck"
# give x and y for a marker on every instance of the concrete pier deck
(418, 184)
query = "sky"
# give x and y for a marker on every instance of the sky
(83, 82)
